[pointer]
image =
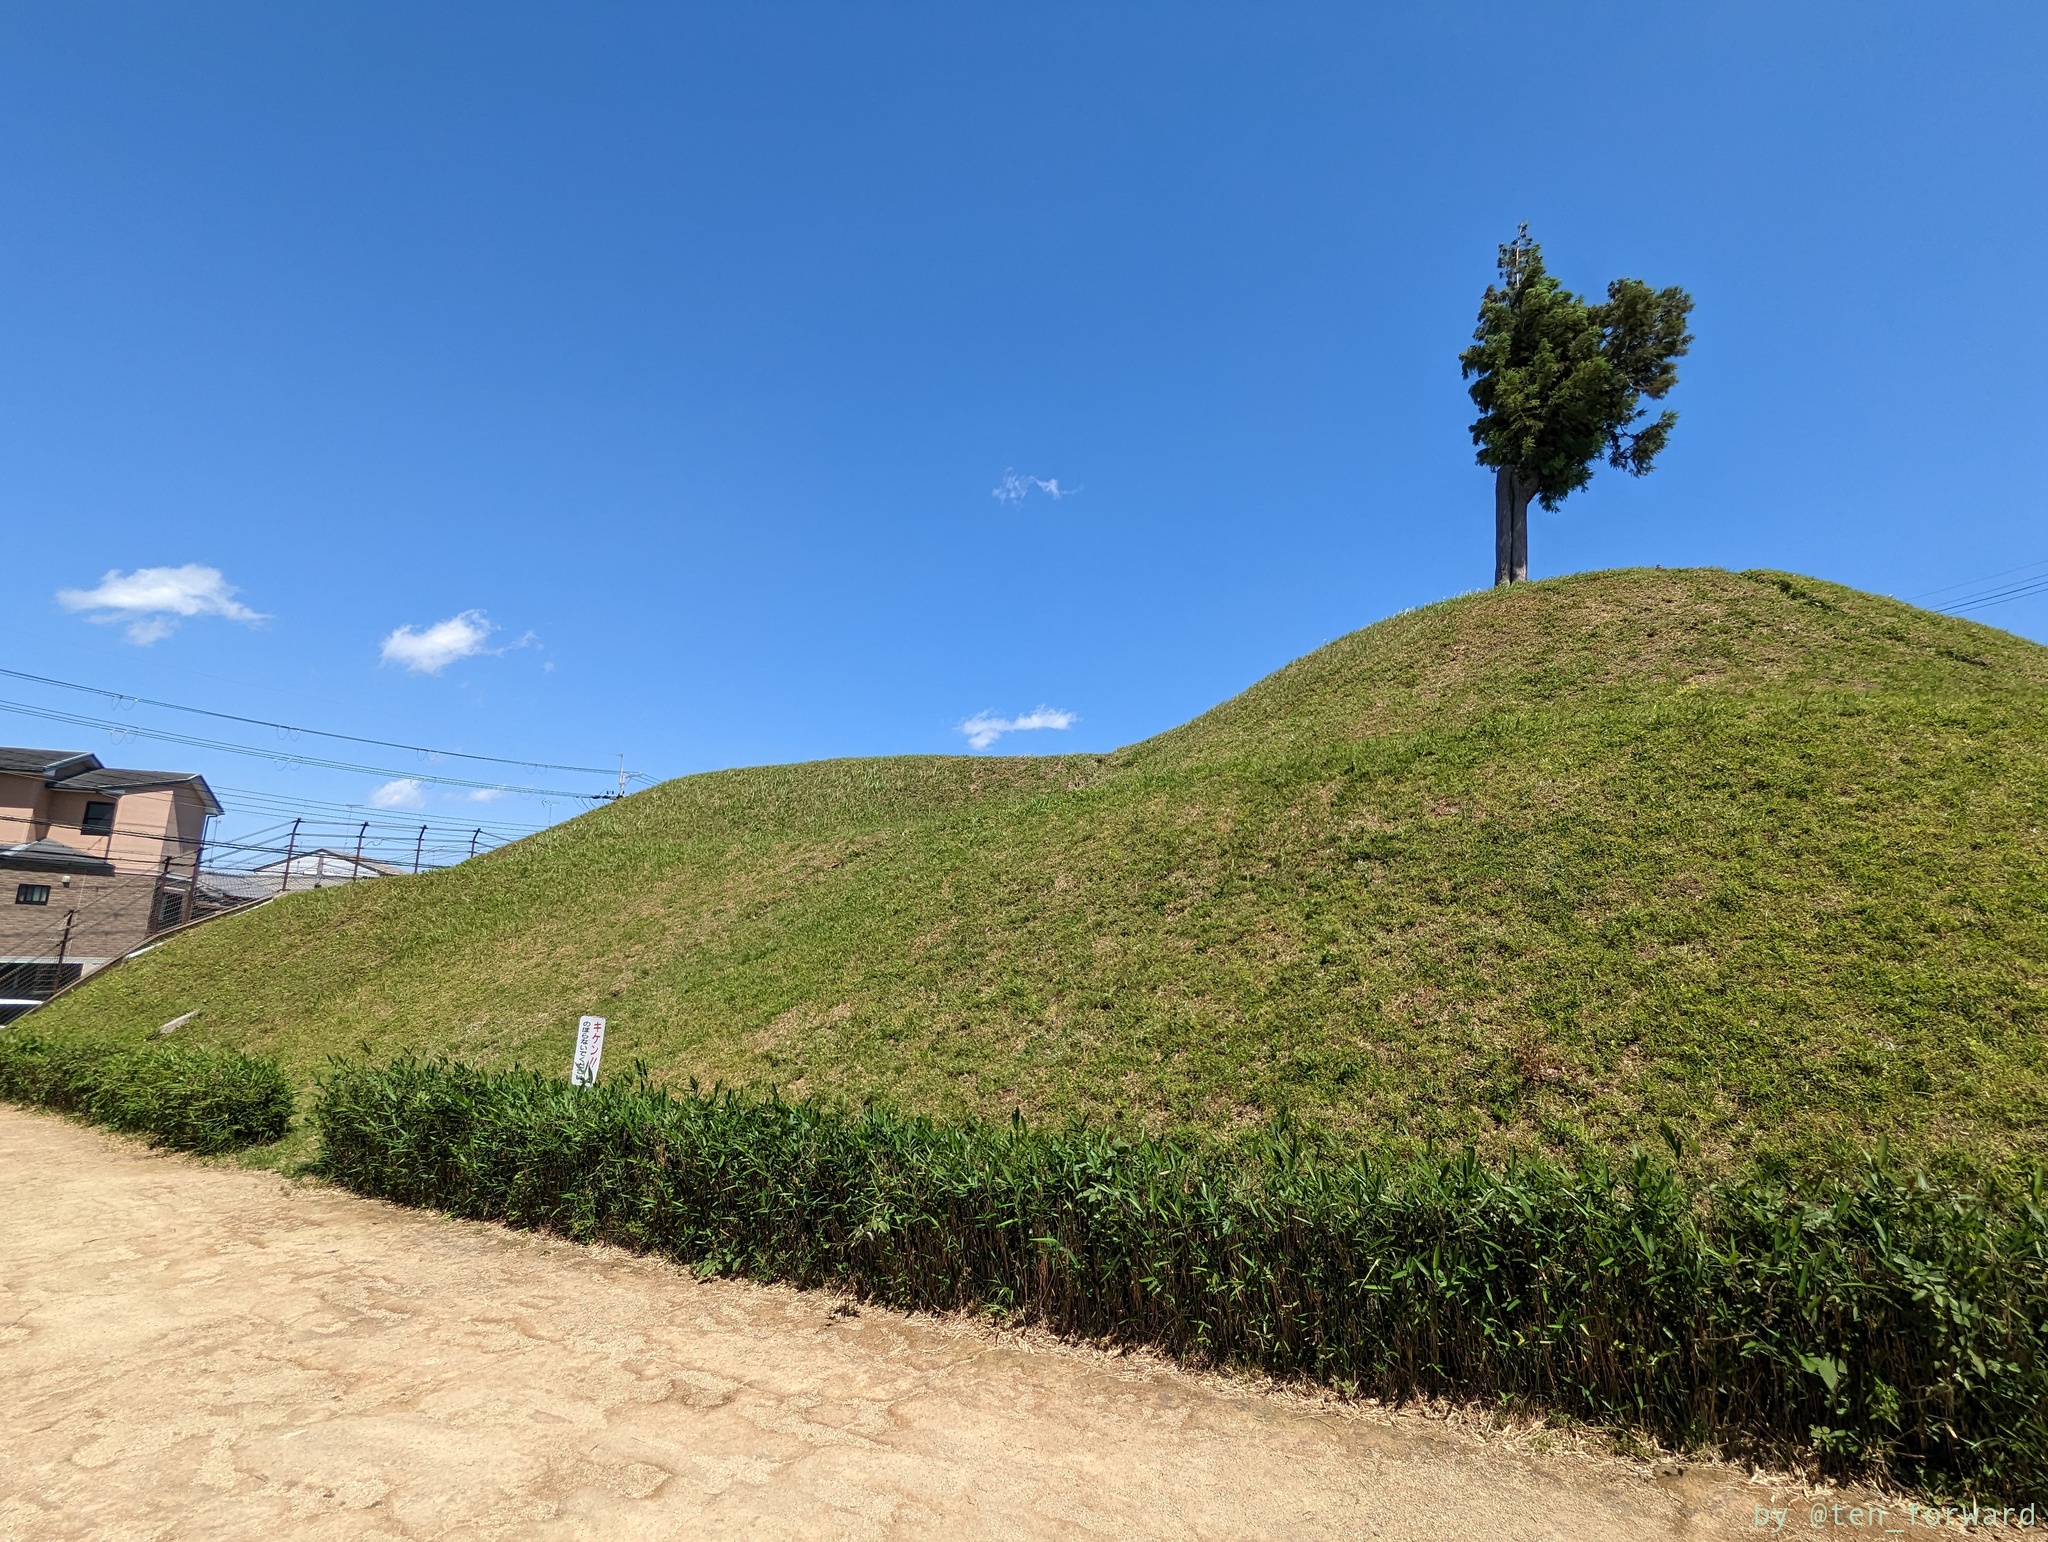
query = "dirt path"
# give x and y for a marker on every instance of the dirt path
(190, 1351)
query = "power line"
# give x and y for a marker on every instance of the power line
(1998, 594)
(1966, 583)
(2018, 591)
(257, 722)
(190, 741)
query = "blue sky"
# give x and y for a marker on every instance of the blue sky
(682, 349)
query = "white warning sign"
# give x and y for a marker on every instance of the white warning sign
(589, 1049)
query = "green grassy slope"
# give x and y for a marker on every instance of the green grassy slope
(1755, 855)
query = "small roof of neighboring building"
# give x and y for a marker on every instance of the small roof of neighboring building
(315, 869)
(320, 858)
(238, 887)
(53, 857)
(81, 771)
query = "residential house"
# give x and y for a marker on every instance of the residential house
(93, 861)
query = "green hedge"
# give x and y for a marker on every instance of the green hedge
(1882, 1322)
(184, 1096)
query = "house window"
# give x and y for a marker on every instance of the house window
(99, 819)
(31, 894)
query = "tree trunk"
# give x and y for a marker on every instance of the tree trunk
(1503, 526)
(1518, 570)
(1511, 494)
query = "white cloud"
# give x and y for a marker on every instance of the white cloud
(153, 600)
(406, 792)
(984, 728)
(484, 794)
(1013, 489)
(431, 649)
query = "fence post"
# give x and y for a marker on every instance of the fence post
(474, 836)
(416, 845)
(291, 847)
(198, 852)
(352, 877)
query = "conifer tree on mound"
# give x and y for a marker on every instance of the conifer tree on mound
(1559, 382)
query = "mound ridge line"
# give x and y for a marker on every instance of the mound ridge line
(1750, 858)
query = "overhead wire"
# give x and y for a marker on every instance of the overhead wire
(1967, 582)
(253, 800)
(257, 722)
(281, 756)
(1997, 594)
(2018, 591)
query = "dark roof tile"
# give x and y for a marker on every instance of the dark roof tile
(22, 761)
(81, 771)
(53, 857)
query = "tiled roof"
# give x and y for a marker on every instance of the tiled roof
(54, 857)
(264, 882)
(317, 860)
(110, 779)
(46, 763)
(78, 771)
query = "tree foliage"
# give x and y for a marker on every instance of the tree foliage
(1560, 382)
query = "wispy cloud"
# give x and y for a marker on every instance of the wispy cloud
(984, 728)
(428, 650)
(484, 794)
(1013, 489)
(154, 600)
(406, 792)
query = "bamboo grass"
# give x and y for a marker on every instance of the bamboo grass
(1880, 1322)
(187, 1097)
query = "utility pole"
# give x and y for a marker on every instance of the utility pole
(622, 773)
(416, 845)
(291, 847)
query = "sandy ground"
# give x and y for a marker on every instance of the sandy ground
(189, 1351)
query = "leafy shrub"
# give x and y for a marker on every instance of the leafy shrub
(183, 1096)
(1881, 1322)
